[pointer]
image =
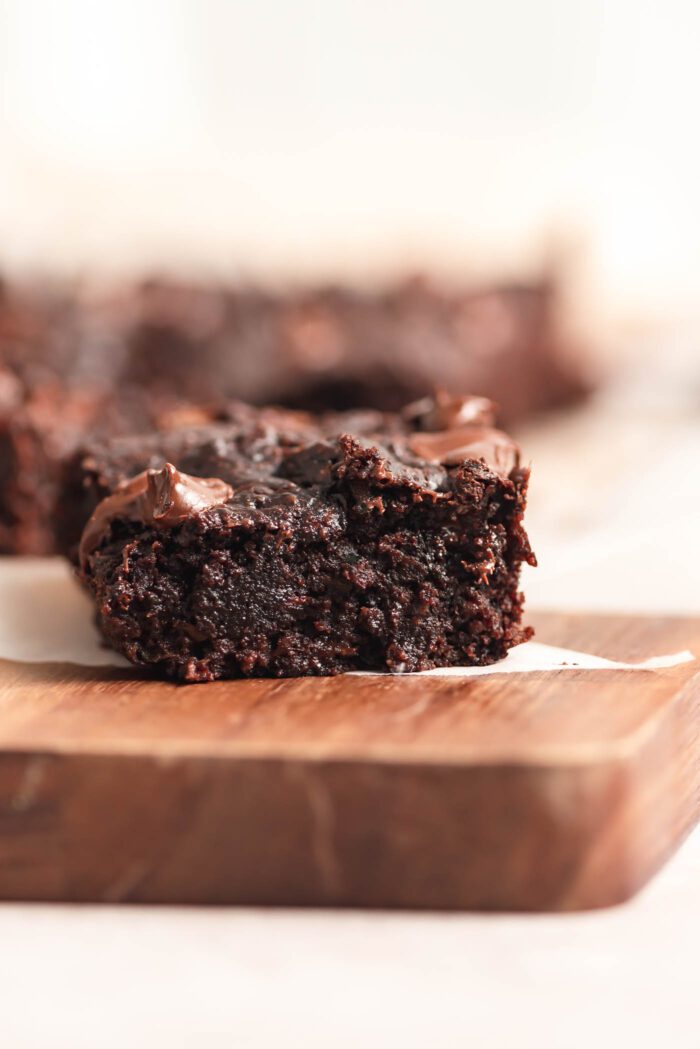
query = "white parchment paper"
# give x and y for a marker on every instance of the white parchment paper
(536, 656)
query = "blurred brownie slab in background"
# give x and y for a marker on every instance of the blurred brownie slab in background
(339, 348)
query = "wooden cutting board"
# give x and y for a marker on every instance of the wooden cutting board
(541, 791)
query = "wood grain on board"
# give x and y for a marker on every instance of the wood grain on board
(541, 791)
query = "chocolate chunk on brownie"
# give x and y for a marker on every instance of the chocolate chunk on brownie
(281, 544)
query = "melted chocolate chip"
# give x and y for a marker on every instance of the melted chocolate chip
(451, 447)
(160, 498)
(446, 411)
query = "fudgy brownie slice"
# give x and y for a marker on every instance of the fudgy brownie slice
(282, 545)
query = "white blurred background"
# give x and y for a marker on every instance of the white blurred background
(329, 136)
(322, 138)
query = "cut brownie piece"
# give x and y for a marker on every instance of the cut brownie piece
(57, 376)
(36, 431)
(283, 545)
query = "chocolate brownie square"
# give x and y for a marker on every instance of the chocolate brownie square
(281, 544)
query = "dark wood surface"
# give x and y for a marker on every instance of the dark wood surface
(541, 791)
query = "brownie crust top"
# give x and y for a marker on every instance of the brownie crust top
(294, 457)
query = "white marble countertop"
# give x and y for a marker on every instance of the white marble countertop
(150, 977)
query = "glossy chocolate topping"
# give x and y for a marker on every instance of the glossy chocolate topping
(453, 446)
(160, 498)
